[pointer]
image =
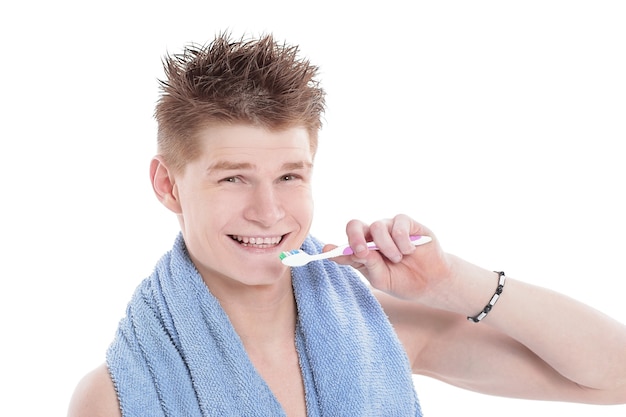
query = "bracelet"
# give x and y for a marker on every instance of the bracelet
(494, 299)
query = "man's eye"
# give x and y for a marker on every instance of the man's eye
(231, 179)
(288, 177)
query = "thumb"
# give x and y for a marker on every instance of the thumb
(328, 247)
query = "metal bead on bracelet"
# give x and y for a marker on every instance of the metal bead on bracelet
(494, 299)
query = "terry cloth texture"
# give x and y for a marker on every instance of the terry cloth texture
(177, 354)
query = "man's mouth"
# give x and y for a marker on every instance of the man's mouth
(258, 242)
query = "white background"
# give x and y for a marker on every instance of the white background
(500, 125)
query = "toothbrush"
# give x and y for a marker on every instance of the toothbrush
(298, 257)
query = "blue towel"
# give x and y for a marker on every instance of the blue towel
(177, 354)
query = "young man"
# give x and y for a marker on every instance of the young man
(223, 328)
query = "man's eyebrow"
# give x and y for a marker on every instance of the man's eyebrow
(288, 166)
(229, 166)
(233, 166)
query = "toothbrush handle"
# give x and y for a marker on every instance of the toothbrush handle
(415, 239)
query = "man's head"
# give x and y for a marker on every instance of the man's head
(257, 82)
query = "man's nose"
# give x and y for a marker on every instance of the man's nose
(265, 205)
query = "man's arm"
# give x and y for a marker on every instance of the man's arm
(534, 344)
(95, 396)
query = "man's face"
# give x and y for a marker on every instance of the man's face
(245, 199)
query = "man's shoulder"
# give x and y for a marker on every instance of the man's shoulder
(95, 396)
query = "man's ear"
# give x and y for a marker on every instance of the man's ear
(164, 185)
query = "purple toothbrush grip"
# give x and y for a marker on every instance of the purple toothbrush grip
(347, 251)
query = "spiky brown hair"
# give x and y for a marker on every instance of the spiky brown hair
(252, 81)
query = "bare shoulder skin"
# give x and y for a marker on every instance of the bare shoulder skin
(95, 396)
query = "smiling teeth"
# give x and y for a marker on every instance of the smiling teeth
(258, 241)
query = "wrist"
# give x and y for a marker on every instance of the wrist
(468, 290)
(492, 301)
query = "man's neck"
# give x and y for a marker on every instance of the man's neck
(262, 315)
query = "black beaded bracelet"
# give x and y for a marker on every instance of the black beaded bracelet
(494, 299)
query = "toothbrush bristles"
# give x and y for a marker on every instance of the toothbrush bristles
(283, 255)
